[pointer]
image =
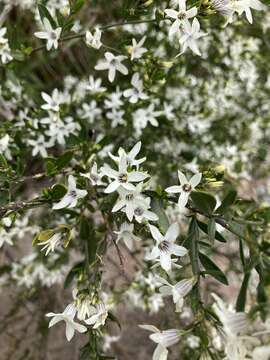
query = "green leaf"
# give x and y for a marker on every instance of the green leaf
(157, 208)
(203, 201)
(57, 191)
(212, 269)
(73, 272)
(77, 6)
(194, 238)
(44, 13)
(50, 166)
(64, 159)
(204, 228)
(211, 229)
(227, 202)
(242, 296)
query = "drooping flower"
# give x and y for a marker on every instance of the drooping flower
(185, 187)
(71, 197)
(165, 246)
(191, 35)
(51, 35)
(122, 177)
(99, 316)
(50, 244)
(68, 317)
(126, 235)
(180, 17)
(137, 50)
(93, 40)
(112, 63)
(177, 291)
(136, 93)
(164, 339)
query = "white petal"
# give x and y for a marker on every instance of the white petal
(172, 233)
(165, 261)
(65, 202)
(182, 178)
(183, 199)
(112, 187)
(156, 233)
(174, 189)
(195, 180)
(149, 328)
(178, 250)
(69, 331)
(160, 353)
(136, 176)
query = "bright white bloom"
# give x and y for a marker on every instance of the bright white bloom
(52, 102)
(3, 40)
(126, 235)
(137, 50)
(245, 6)
(94, 86)
(180, 17)
(191, 34)
(90, 111)
(177, 291)
(136, 93)
(130, 156)
(164, 339)
(99, 317)
(50, 244)
(5, 238)
(261, 353)
(83, 305)
(40, 146)
(185, 187)
(112, 63)
(142, 117)
(122, 177)
(193, 342)
(72, 196)
(51, 35)
(94, 40)
(165, 246)
(143, 213)
(94, 176)
(5, 53)
(4, 143)
(68, 317)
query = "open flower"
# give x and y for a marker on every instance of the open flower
(177, 291)
(51, 35)
(94, 176)
(72, 196)
(185, 187)
(52, 102)
(112, 63)
(99, 316)
(164, 339)
(165, 246)
(125, 233)
(130, 156)
(68, 317)
(122, 177)
(136, 93)
(50, 244)
(137, 50)
(181, 16)
(191, 34)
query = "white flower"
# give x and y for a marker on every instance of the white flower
(136, 50)
(136, 93)
(52, 102)
(244, 6)
(94, 86)
(90, 111)
(50, 244)
(261, 353)
(177, 291)
(83, 305)
(142, 212)
(122, 177)
(72, 196)
(99, 317)
(112, 63)
(67, 316)
(222, 6)
(165, 246)
(51, 35)
(130, 156)
(5, 54)
(94, 40)
(40, 146)
(5, 238)
(3, 40)
(191, 34)
(180, 17)
(185, 187)
(141, 117)
(94, 176)
(164, 339)
(125, 233)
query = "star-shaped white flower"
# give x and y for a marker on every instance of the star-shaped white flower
(93, 40)
(137, 50)
(3, 40)
(99, 317)
(130, 156)
(164, 339)
(72, 196)
(68, 317)
(125, 234)
(245, 6)
(122, 177)
(191, 34)
(136, 93)
(185, 187)
(180, 17)
(165, 246)
(52, 102)
(51, 35)
(112, 63)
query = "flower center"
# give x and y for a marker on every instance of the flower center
(187, 187)
(53, 35)
(182, 15)
(129, 197)
(73, 193)
(138, 211)
(164, 246)
(122, 178)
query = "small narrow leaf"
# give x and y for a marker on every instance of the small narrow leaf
(227, 202)
(204, 228)
(211, 229)
(212, 269)
(242, 296)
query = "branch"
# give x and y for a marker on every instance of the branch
(22, 205)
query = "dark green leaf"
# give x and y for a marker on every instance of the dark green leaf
(194, 238)
(241, 300)
(57, 191)
(72, 273)
(227, 202)
(212, 269)
(77, 6)
(44, 13)
(203, 201)
(211, 229)
(157, 208)
(204, 228)
(64, 159)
